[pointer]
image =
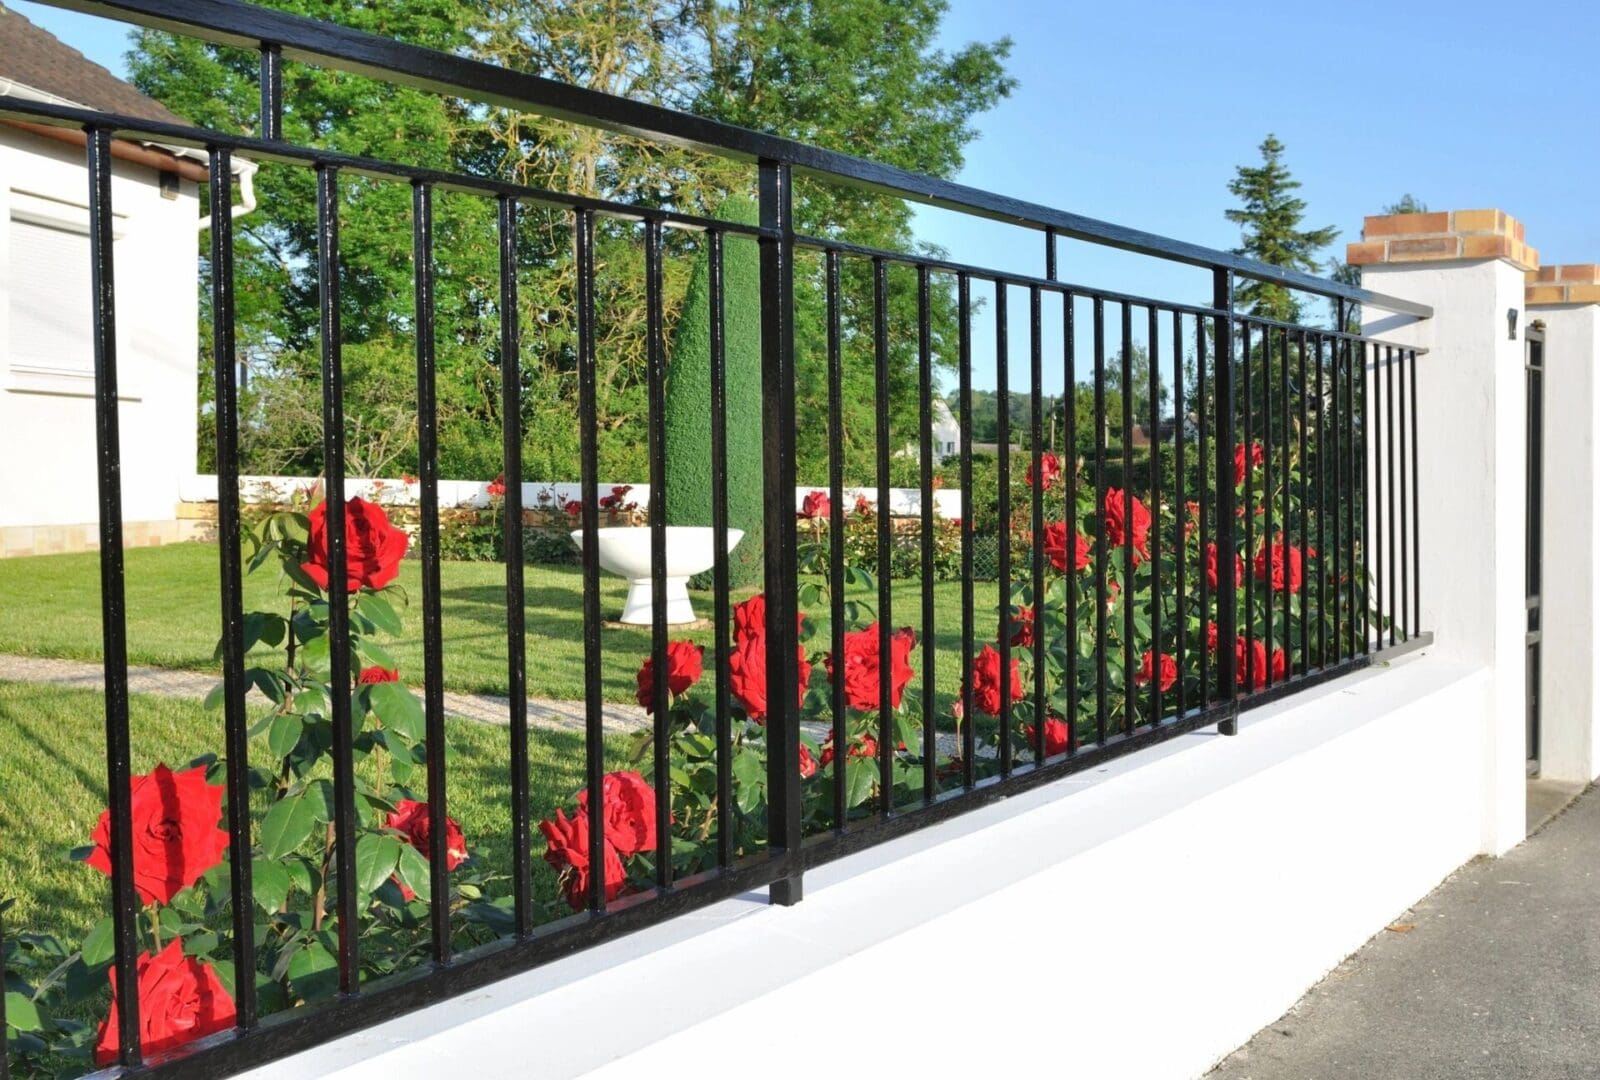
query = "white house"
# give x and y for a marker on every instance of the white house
(47, 446)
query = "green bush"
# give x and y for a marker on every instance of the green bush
(688, 411)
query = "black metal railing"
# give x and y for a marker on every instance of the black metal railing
(1269, 543)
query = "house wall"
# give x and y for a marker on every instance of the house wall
(48, 497)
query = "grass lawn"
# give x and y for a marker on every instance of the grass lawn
(51, 608)
(53, 776)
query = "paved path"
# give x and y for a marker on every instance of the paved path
(1498, 978)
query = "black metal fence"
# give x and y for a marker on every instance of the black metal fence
(1281, 551)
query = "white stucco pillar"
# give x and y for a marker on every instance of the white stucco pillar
(1566, 299)
(1470, 266)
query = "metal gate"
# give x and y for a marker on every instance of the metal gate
(1535, 532)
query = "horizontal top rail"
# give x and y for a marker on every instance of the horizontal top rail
(244, 25)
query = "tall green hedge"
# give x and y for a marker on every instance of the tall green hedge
(688, 412)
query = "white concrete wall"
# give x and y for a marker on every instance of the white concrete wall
(47, 446)
(1135, 921)
(1570, 714)
(1471, 420)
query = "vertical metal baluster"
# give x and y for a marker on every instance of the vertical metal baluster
(1288, 513)
(113, 607)
(1206, 533)
(236, 721)
(719, 542)
(1226, 557)
(1100, 555)
(1179, 541)
(1266, 498)
(1154, 333)
(432, 615)
(836, 527)
(271, 91)
(344, 791)
(1400, 561)
(1360, 583)
(1227, 604)
(784, 819)
(1330, 444)
(1379, 517)
(969, 742)
(1002, 347)
(1069, 349)
(511, 538)
(1416, 521)
(925, 440)
(1036, 546)
(656, 378)
(885, 523)
(1305, 521)
(594, 734)
(1130, 692)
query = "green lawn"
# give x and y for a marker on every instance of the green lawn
(51, 608)
(53, 780)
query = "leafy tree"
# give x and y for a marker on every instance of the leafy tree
(1269, 218)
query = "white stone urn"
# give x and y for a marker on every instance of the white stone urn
(625, 551)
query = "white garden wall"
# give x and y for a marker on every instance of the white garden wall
(1136, 921)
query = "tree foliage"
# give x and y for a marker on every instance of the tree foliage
(1269, 218)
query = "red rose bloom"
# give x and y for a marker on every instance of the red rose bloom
(747, 662)
(1056, 736)
(373, 547)
(1049, 471)
(986, 681)
(1211, 566)
(808, 763)
(1257, 457)
(180, 1000)
(1123, 523)
(685, 664)
(1211, 637)
(567, 852)
(863, 507)
(629, 809)
(1169, 670)
(864, 747)
(376, 674)
(573, 507)
(1022, 627)
(1286, 567)
(497, 486)
(1055, 547)
(1254, 672)
(411, 819)
(861, 667)
(175, 834)
(815, 505)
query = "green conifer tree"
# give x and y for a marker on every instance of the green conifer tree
(1270, 220)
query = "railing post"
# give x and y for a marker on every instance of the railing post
(778, 438)
(1227, 519)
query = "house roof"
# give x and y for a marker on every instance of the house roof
(38, 59)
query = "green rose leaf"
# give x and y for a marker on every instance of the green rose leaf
(398, 709)
(270, 883)
(413, 871)
(284, 735)
(287, 825)
(376, 855)
(380, 613)
(101, 944)
(21, 1013)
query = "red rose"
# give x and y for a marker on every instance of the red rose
(1056, 736)
(1055, 547)
(373, 547)
(567, 852)
(407, 479)
(864, 747)
(497, 486)
(376, 674)
(411, 819)
(861, 667)
(747, 662)
(1254, 673)
(1241, 471)
(1286, 565)
(1191, 519)
(863, 507)
(1169, 670)
(629, 811)
(1049, 471)
(573, 507)
(685, 664)
(986, 681)
(808, 763)
(175, 834)
(1022, 627)
(815, 505)
(1211, 566)
(1211, 637)
(180, 1000)
(1121, 524)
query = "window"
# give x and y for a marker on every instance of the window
(49, 283)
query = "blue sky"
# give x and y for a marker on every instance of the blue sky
(1138, 114)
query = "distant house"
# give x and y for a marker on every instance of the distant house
(946, 434)
(47, 445)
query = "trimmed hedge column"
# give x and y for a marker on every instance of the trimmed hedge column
(688, 413)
